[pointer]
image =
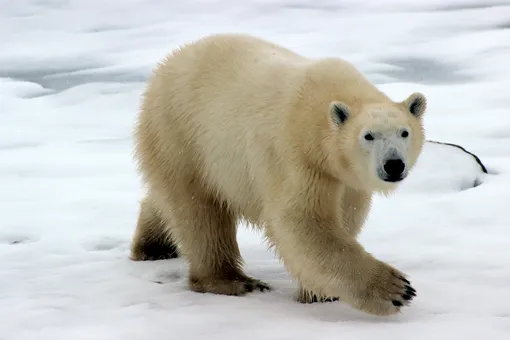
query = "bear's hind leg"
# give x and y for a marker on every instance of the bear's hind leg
(206, 233)
(152, 239)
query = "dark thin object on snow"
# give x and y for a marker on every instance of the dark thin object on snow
(484, 169)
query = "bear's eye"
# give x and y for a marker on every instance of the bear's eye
(369, 136)
(404, 134)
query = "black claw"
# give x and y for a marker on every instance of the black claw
(314, 299)
(327, 300)
(406, 297)
(336, 299)
(249, 287)
(406, 281)
(410, 292)
(263, 288)
(256, 285)
(410, 288)
(397, 303)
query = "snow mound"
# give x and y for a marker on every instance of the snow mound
(444, 168)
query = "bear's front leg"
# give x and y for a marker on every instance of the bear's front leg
(304, 295)
(328, 261)
(355, 205)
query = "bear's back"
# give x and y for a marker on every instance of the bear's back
(214, 108)
(227, 82)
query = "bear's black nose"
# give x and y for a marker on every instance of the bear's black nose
(394, 168)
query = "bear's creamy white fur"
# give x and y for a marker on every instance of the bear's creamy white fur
(234, 127)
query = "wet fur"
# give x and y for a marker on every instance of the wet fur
(233, 127)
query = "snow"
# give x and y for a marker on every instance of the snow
(71, 74)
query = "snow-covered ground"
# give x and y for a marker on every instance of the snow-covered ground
(71, 72)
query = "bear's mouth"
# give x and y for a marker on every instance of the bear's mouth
(393, 179)
(385, 177)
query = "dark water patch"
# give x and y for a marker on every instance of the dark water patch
(58, 80)
(472, 6)
(424, 71)
(17, 146)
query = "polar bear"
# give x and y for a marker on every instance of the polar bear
(234, 127)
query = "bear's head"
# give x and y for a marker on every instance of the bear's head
(379, 142)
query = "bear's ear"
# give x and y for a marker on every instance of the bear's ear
(416, 103)
(339, 112)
